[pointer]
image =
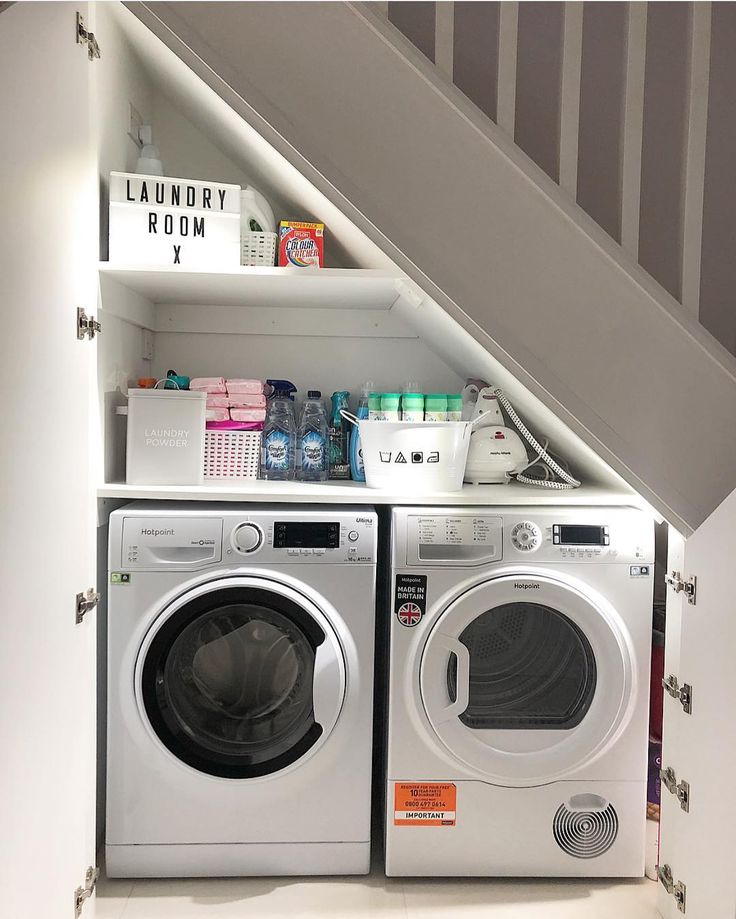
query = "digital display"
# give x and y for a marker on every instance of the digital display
(579, 535)
(298, 535)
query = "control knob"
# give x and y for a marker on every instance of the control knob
(526, 536)
(247, 537)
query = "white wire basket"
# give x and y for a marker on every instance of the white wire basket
(258, 249)
(231, 454)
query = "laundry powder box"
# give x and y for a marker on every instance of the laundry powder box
(161, 222)
(165, 441)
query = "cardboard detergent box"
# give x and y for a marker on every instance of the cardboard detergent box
(160, 221)
(301, 245)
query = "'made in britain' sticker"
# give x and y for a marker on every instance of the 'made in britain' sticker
(410, 598)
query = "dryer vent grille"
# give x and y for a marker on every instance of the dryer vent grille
(586, 833)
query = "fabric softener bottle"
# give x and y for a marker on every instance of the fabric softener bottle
(339, 437)
(313, 439)
(278, 456)
(357, 470)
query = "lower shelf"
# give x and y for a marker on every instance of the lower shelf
(358, 493)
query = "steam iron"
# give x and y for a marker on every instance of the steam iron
(496, 452)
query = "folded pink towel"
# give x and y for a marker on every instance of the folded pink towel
(208, 384)
(217, 414)
(243, 386)
(234, 426)
(248, 414)
(246, 400)
(218, 400)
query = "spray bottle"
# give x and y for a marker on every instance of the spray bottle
(278, 456)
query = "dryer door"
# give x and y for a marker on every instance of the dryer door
(241, 677)
(525, 678)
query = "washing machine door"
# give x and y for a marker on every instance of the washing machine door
(525, 678)
(241, 677)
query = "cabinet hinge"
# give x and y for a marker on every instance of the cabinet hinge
(681, 790)
(82, 894)
(87, 38)
(684, 693)
(87, 326)
(674, 888)
(86, 602)
(688, 586)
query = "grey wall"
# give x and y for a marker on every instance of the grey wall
(475, 41)
(601, 113)
(718, 279)
(663, 143)
(538, 76)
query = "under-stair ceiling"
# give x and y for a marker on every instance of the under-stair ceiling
(482, 230)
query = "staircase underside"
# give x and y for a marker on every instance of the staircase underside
(482, 231)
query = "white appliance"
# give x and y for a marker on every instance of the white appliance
(240, 690)
(518, 691)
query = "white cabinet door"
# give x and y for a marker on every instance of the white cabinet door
(48, 244)
(699, 845)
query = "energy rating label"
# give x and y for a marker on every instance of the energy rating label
(424, 803)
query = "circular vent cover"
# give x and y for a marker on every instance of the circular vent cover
(585, 833)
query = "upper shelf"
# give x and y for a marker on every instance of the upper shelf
(319, 288)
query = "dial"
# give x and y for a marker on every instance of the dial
(247, 538)
(526, 536)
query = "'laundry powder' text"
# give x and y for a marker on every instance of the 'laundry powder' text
(166, 437)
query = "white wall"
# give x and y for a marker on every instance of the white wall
(328, 364)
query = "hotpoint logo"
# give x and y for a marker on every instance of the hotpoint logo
(519, 585)
(149, 531)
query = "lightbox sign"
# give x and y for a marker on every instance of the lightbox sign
(164, 222)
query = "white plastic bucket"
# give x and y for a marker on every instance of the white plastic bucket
(413, 458)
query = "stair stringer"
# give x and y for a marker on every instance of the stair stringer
(481, 230)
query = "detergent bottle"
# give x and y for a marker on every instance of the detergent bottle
(357, 470)
(339, 437)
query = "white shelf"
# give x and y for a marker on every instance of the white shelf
(258, 491)
(319, 288)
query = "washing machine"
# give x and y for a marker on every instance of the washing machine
(518, 691)
(240, 690)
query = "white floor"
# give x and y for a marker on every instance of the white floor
(375, 896)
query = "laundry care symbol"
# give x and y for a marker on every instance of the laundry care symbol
(409, 614)
(416, 457)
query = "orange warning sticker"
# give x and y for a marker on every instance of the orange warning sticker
(424, 803)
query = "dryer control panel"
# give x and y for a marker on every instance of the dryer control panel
(474, 537)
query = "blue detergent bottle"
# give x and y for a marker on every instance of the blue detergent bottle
(357, 469)
(278, 455)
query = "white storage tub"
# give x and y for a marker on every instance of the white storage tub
(415, 458)
(165, 441)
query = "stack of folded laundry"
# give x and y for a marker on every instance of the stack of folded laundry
(234, 405)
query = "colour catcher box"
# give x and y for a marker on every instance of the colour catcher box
(301, 245)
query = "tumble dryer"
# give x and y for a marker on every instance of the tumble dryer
(240, 690)
(518, 691)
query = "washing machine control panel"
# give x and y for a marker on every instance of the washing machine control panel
(321, 538)
(181, 543)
